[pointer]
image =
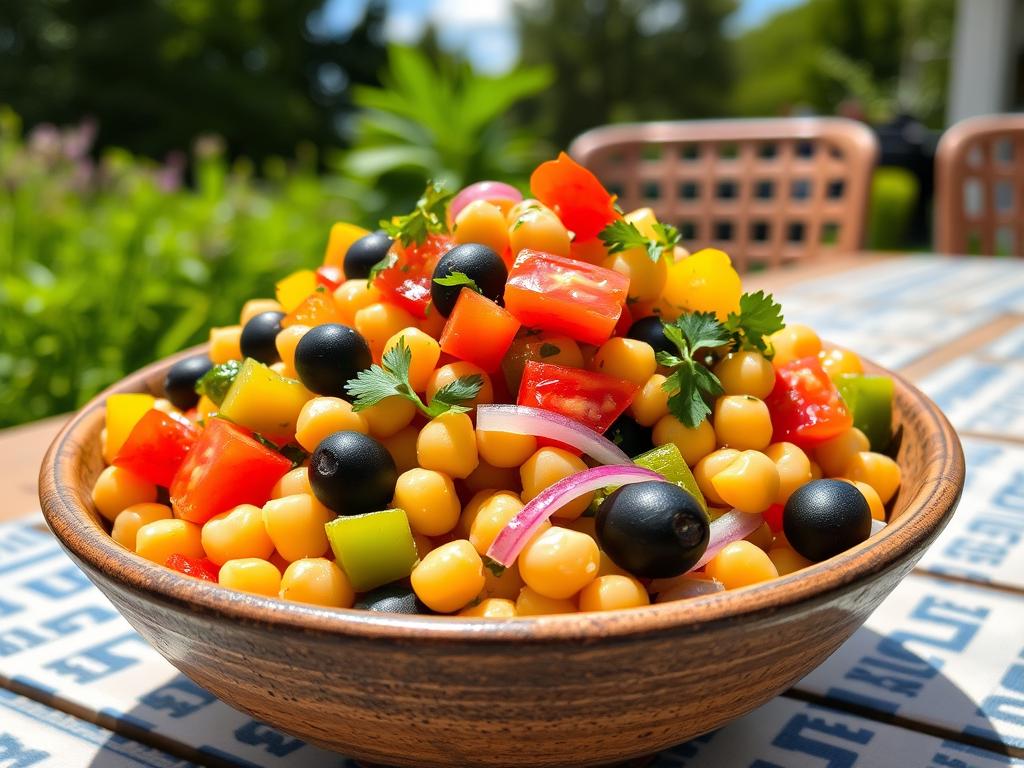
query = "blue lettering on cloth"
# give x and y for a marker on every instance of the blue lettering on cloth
(100, 661)
(276, 743)
(56, 586)
(18, 639)
(39, 557)
(800, 735)
(14, 754)
(9, 609)
(179, 698)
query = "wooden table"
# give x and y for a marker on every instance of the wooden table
(936, 676)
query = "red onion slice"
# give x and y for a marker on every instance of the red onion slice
(730, 527)
(524, 420)
(688, 586)
(514, 536)
(482, 190)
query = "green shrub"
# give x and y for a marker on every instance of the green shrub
(107, 266)
(893, 197)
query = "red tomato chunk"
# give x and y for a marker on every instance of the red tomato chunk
(478, 331)
(226, 467)
(574, 193)
(805, 405)
(201, 568)
(593, 399)
(565, 296)
(407, 282)
(156, 447)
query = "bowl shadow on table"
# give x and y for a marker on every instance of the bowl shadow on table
(807, 725)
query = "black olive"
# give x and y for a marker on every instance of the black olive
(351, 473)
(651, 330)
(364, 253)
(258, 337)
(630, 436)
(392, 598)
(180, 381)
(825, 517)
(652, 529)
(475, 261)
(327, 356)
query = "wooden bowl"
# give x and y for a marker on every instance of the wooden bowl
(581, 689)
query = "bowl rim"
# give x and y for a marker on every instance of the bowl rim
(925, 514)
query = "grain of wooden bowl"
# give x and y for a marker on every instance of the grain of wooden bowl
(581, 689)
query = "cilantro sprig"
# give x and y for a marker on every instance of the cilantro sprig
(690, 383)
(458, 279)
(428, 217)
(759, 316)
(622, 235)
(391, 378)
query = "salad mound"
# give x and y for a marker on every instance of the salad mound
(497, 406)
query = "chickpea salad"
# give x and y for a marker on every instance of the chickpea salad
(500, 406)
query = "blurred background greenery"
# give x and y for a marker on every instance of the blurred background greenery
(163, 160)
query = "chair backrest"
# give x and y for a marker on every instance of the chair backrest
(979, 200)
(765, 191)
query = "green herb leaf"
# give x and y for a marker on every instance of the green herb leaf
(391, 379)
(451, 396)
(622, 235)
(759, 316)
(389, 260)
(690, 384)
(549, 350)
(428, 217)
(216, 382)
(294, 453)
(493, 566)
(458, 278)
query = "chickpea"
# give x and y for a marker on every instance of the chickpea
(286, 341)
(559, 562)
(693, 444)
(251, 574)
(499, 478)
(794, 342)
(740, 564)
(446, 374)
(236, 534)
(449, 577)
(505, 449)
(531, 603)
(117, 489)
(158, 540)
(377, 323)
(627, 359)
(836, 362)
(296, 526)
(225, 344)
(448, 444)
(254, 307)
(317, 581)
(352, 296)
(877, 470)
(612, 592)
(746, 373)
(491, 608)
(323, 416)
(651, 403)
(710, 466)
(539, 230)
(389, 416)
(425, 354)
(546, 467)
(742, 422)
(506, 585)
(429, 500)
(794, 468)
(834, 455)
(402, 447)
(750, 483)
(646, 277)
(482, 222)
(787, 560)
(493, 515)
(128, 522)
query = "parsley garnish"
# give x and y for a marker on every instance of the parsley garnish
(389, 260)
(429, 217)
(216, 382)
(759, 316)
(294, 453)
(622, 235)
(391, 378)
(690, 382)
(458, 278)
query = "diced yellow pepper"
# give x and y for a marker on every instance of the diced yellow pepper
(205, 408)
(264, 401)
(341, 237)
(293, 290)
(123, 413)
(644, 220)
(704, 282)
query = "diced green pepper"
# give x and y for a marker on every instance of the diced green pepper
(373, 549)
(216, 381)
(668, 462)
(869, 399)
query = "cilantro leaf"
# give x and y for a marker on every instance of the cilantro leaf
(622, 235)
(389, 260)
(391, 379)
(451, 396)
(428, 217)
(216, 382)
(458, 278)
(759, 316)
(690, 385)
(549, 350)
